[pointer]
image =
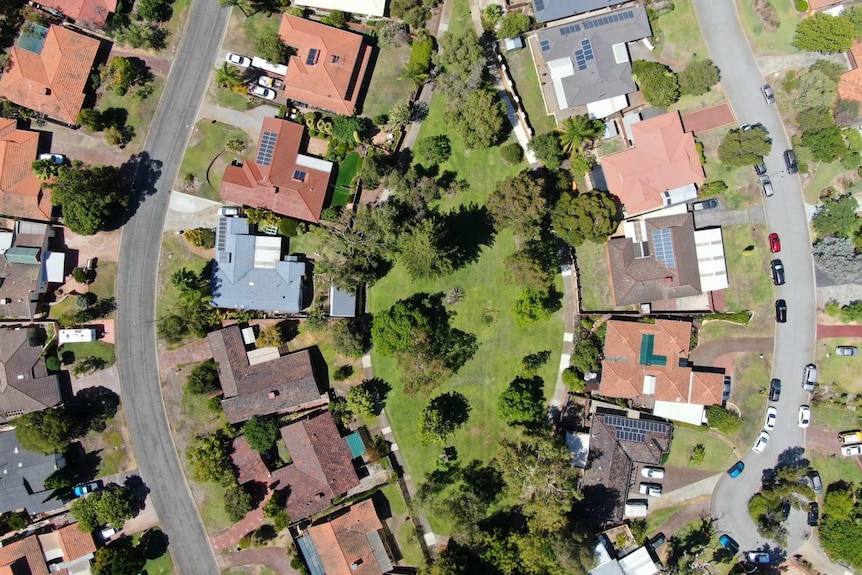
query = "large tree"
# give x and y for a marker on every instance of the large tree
(479, 120)
(838, 259)
(519, 203)
(577, 130)
(514, 24)
(824, 33)
(112, 505)
(121, 557)
(203, 378)
(272, 49)
(590, 216)
(92, 199)
(424, 252)
(260, 433)
(657, 82)
(523, 401)
(46, 431)
(837, 217)
(460, 51)
(744, 147)
(698, 77)
(442, 417)
(209, 459)
(549, 149)
(826, 145)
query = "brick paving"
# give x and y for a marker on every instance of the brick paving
(708, 118)
(273, 557)
(824, 331)
(194, 352)
(237, 531)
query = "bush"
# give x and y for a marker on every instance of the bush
(512, 153)
(573, 381)
(420, 55)
(801, 6)
(514, 24)
(713, 188)
(79, 275)
(342, 372)
(531, 307)
(173, 328)
(522, 401)
(698, 77)
(434, 150)
(657, 82)
(201, 237)
(697, 454)
(723, 420)
(203, 378)
(52, 363)
(237, 503)
(548, 149)
(260, 433)
(271, 336)
(744, 148)
(351, 337)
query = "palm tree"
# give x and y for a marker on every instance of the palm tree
(577, 130)
(45, 169)
(228, 76)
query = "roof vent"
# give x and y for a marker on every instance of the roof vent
(355, 565)
(273, 394)
(47, 91)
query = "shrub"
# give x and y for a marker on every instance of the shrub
(572, 380)
(203, 378)
(173, 328)
(657, 82)
(512, 153)
(531, 307)
(351, 337)
(342, 372)
(434, 149)
(271, 336)
(79, 275)
(237, 503)
(260, 433)
(832, 308)
(514, 24)
(723, 420)
(201, 237)
(801, 6)
(52, 363)
(697, 454)
(698, 77)
(713, 188)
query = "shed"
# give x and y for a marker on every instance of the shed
(512, 44)
(342, 303)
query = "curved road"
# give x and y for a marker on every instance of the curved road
(136, 290)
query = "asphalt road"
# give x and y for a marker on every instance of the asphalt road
(136, 291)
(785, 214)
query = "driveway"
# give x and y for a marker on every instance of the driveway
(824, 331)
(187, 212)
(722, 216)
(273, 557)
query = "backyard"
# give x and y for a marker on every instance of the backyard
(344, 186)
(594, 279)
(523, 72)
(766, 41)
(206, 158)
(388, 85)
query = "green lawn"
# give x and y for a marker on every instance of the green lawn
(158, 559)
(244, 32)
(113, 454)
(750, 386)
(523, 72)
(175, 255)
(396, 500)
(232, 100)
(763, 41)
(94, 348)
(140, 111)
(689, 103)
(743, 189)
(405, 535)
(388, 85)
(205, 148)
(681, 37)
(835, 417)
(177, 22)
(460, 18)
(718, 455)
(344, 183)
(839, 371)
(824, 174)
(106, 279)
(833, 468)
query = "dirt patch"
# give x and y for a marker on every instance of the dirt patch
(766, 12)
(708, 118)
(317, 146)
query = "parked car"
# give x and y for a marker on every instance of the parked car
(707, 204)
(758, 557)
(804, 416)
(729, 543)
(847, 350)
(815, 482)
(780, 311)
(809, 377)
(107, 533)
(771, 416)
(785, 509)
(653, 472)
(736, 470)
(86, 488)
(725, 390)
(265, 93)
(849, 437)
(657, 541)
(848, 450)
(745, 127)
(790, 161)
(58, 159)
(768, 95)
(270, 82)
(774, 390)
(760, 169)
(774, 243)
(762, 441)
(813, 514)
(651, 489)
(767, 186)
(238, 60)
(777, 272)
(229, 211)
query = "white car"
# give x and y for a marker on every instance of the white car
(848, 450)
(761, 442)
(759, 557)
(264, 93)
(771, 416)
(653, 472)
(241, 61)
(651, 489)
(58, 159)
(804, 416)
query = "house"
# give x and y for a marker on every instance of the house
(850, 83)
(25, 384)
(21, 193)
(636, 562)
(350, 543)
(255, 384)
(329, 66)
(648, 363)
(65, 551)
(49, 70)
(87, 13)
(281, 178)
(375, 8)
(250, 272)
(586, 63)
(321, 467)
(27, 268)
(663, 168)
(663, 261)
(24, 474)
(550, 10)
(620, 441)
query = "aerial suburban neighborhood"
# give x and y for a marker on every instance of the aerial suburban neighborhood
(449, 287)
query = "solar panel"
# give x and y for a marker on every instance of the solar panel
(299, 175)
(628, 15)
(588, 24)
(267, 146)
(546, 45)
(663, 247)
(312, 57)
(540, 5)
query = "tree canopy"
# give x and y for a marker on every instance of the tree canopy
(434, 149)
(112, 505)
(209, 459)
(744, 148)
(272, 49)
(514, 24)
(549, 149)
(92, 199)
(260, 433)
(424, 252)
(698, 77)
(442, 417)
(519, 203)
(479, 120)
(657, 82)
(837, 217)
(590, 216)
(46, 431)
(121, 557)
(577, 130)
(203, 378)
(824, 33)
(523, 401)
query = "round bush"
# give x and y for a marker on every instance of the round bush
(512, 153)
(801, 6)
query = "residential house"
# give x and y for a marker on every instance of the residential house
(376, 8)
(586, 63)
(27, 268)
(609, 561)
(850, 83)
(87, 13)
(64, 551)
(21, 193)
(250, 272)
(648, 363)
(347, 544)
(329, 67)
(620, 443)
(662, 169)
(320, 470)
(261, 381)
(661, 260)
(49, 70)
(281, 178)
(550, 10)
(24, 474)
(25, 384)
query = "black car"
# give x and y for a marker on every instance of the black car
(780, 311)
(785, 509)
(774, 389)
(777, 272)
(657, 541)
(813, 514)
(760, 169)
(790, 162)
(725, 390)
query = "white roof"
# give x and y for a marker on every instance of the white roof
(82, 335)
(687, 412)
(638, 563)
(314, 163)
(55, 267)
(262, 355)
(561, 68)
(621, 53)
(608, 106)
(710, 259)
(267, 251)
(262, 64)
(248, 335)
(6, 241)
(364, 7)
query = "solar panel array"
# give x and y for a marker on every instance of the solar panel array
(565, 30)
(584, 55)
(299, 175)
(663, 247)
(267, 146)
(222, 235)
(546, 45)
(312, 57)
(609, 19)
(634, 429)
(540, 5)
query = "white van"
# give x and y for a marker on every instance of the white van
(636, 508)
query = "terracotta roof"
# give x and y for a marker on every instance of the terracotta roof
(249, 463)
(75, 543)
(664, 158)
(850, 83)
(23, 557)
(93, 12)
(53, 81)
(329, 66)
(636, 351)
(25, 385)
(818, 4)
(281, 385)
(21, 193)
(272, 184)
(344, 541)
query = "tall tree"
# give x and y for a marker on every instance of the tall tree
(590, 216)
(228, 76)
(519, 203)
(479, 120)
(577, 130)
(548, 149)
(442, 417)
(121, 557)
(46, 431)
(522, 401)
(424, 252)
(272, 49)
(744, 148)
(824, 33)
(92, 198)
(260, 433)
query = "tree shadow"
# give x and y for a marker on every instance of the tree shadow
(484, 481)
(599, 502)
(143, 172)
(93, 406)
(453, 407)
(139, 489)
(154, 543)
(792, 457)
(468, 229)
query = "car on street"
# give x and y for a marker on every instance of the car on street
(242, 61)
(813, 514)
(809, 377)
(804, 416)
(86, 488)
(758, 557)
(736, 470)
(745, 127)
(729, 543)
(762, 441)
(774, 390)
(771, 416)
(848, 437)
(848, 450)
(777, 272)
(780, 311)
(774, 243)
(265, 93)
(768, 95)
(767, 186)
(847, 350)
(653, 472)
(651, 489)
(707, 204)
(760, 169)
(58, 159)
(815, 482)
(790, 161)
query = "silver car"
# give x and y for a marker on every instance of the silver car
(768, 95)
(847, 350)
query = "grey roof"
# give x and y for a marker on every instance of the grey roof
(249, 271)
(550, 10)
(25, 385)
(342, 303)
(21, 279)
(598, 76)
(22, 477)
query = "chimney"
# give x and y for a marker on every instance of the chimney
(273, 394)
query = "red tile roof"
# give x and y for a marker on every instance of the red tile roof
(818, 4)
(23, 557)
(343, 541)
(850, 84)
(274, 186)
(75, 543)
(664, 157)
(93, 12)
(21, 191)
(53, 81)
(330, 78)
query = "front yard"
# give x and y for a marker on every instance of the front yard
(750, 393)
(206, 158)
(839, 371)
(175, 256)
(681, 37)
(766, 41)
(717, 455)
(140, 110)
(743, 188)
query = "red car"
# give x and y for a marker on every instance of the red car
(774, 243)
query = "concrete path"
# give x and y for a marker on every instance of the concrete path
(824, 331)
(248, 121)
(771, 64)
(186, 212)
(723, 216)
(273, 557)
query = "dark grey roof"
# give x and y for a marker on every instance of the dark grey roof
(249, 271)
(25, 385)
(22, 477)
(550, 10)
(342, 303)
(580, 56)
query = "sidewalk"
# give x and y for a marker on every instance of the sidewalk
(824, 331)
